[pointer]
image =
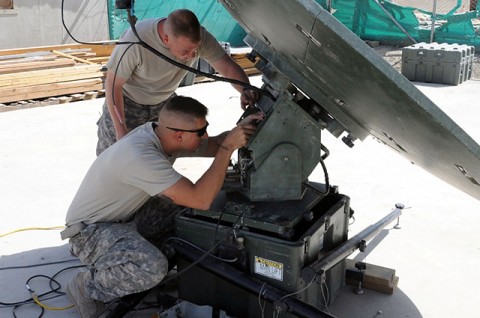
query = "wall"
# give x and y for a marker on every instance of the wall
(38, 23)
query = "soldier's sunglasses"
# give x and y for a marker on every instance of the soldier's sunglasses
(200, 132)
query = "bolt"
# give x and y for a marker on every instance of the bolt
(359, 289)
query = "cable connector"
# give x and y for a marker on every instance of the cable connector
(29, 289)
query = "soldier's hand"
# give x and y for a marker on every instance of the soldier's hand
(248, 98)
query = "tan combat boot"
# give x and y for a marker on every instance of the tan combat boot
(86, 306)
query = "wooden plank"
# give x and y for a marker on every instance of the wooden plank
(84, 55)
(24, 55)
(47, 90)
(35, 65)
(99, 59)
(100, 48)
(51, 75)
(72, 57)
(375, 277)
(30, 104)
(46, 57)
(64, 99)
(23, 90)
(78, 52)
(251, 71)
(90, 95)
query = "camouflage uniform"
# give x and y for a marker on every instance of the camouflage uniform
(135, 115)
(124, 258)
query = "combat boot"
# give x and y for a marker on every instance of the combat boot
(76, 292)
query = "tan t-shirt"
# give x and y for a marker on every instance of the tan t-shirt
(122, 179)
(151, 79)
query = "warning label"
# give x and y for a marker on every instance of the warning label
(268, 268)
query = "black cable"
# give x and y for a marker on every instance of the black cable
(42, 311)
(50, 279)
(325, 172)
(68, 31)
(174, 238)
(37, 265)
(201, 258)
(191, 265)
(65, 269)
(151, 49)
(217, 225)
(115, 74)
(54, 289)
(191, 69)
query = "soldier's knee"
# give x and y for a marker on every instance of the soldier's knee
(159, 269)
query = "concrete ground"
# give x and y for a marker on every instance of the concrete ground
(45, 152)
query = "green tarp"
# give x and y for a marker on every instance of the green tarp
(377, 20)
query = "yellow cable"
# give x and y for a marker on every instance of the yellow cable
(33, 228)
(37, 301)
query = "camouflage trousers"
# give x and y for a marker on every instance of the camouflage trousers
(135, 115)
(125, 258)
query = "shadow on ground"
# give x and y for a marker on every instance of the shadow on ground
(36, 267)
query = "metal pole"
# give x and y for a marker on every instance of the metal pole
(341, 252)
(434, 18)
(249, 283)
(395, 21)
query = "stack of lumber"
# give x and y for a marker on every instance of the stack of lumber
(42, 72)
(241, 59)
(48, 75)
(239, 55)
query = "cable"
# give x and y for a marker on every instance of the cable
(327, 179)
(73, 38)
(42, 311)
(32, 229)
(301, 290)
(113, 85)
(207, 253)
(37, 265)
(37, 301)
(151, 49)
(35, 298)
(325, 295)
(191, 69)
(217, 225)
(173, 238)
(260, 294)
(55, 289)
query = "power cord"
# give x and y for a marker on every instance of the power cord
(132, 20)
(39, 299)
(32, 229)
(38, 265)
(55, 286)
(205, 252)
(35, 296)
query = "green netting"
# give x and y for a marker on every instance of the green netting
(211, 14)
(393, 24)
(377, 20)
